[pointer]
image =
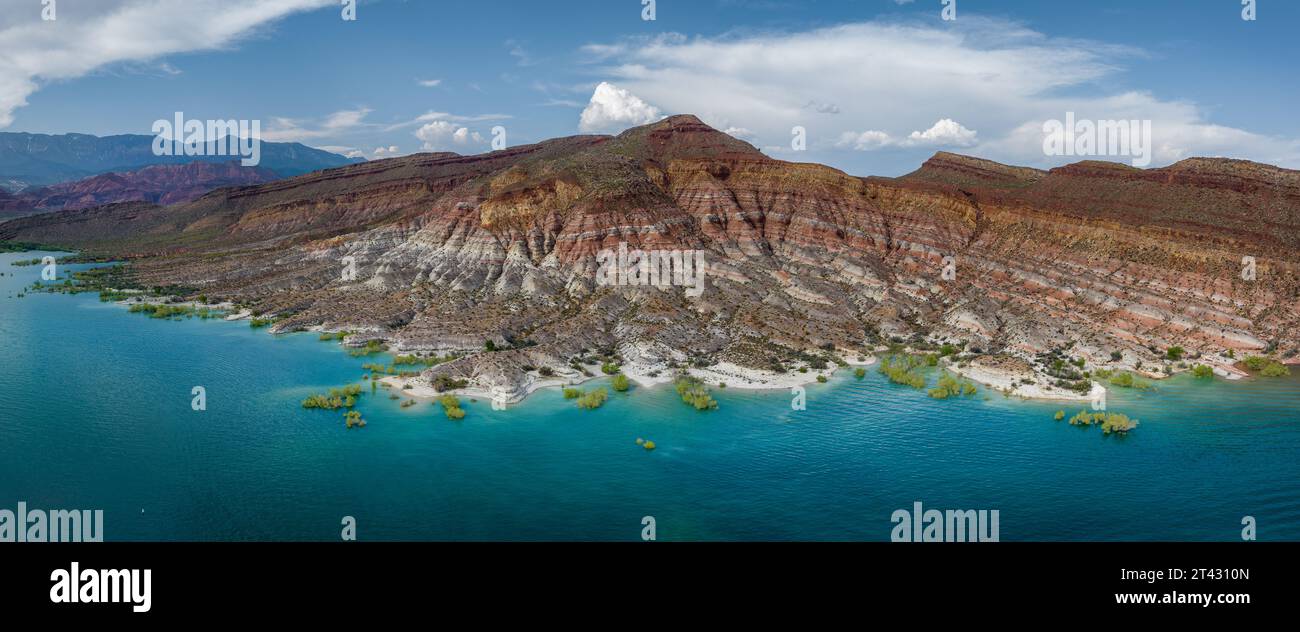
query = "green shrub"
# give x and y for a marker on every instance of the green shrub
(1128, 380)
(592, 400)
(950, 386)
(620, 382)
(694, 393)
(902, 370)
(444, 383)
(1109, 422)
(1202, 371)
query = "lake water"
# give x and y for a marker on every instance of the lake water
(95, 414)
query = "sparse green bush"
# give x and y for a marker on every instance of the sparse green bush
(593, 399)
(693, 392)
(950, 386)
(901, 369)
(1109, 422)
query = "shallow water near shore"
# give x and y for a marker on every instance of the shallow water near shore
(95, 414)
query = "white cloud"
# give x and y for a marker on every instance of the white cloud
(870, 139)
(944, 132)
(91, 35)
(299, 130)
(613, 109)
(352, 152)
(889, 77)
(429, 83)
(445, 116)
(443, 135)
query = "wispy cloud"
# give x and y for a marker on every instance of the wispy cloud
(332, 126)
(891, 81)
(116, 31)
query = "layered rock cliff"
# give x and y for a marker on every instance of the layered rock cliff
(451, 251)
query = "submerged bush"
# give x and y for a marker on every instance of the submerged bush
(950, 386)
(693, 392)
(1109, 422)
(593, 399)
(901, 369)
(451, 407)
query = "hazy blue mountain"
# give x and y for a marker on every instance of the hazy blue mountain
(28, 160)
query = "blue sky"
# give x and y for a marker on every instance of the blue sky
(879, 85)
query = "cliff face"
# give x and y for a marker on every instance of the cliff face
(455, 250)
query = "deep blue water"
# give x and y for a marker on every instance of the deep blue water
(95, 414)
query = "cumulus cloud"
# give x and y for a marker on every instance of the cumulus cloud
(442, 135)
(613, 109)
(943, 132)
(889, 78)
(91, 35)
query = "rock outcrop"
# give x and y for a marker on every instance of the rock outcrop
(451, 251)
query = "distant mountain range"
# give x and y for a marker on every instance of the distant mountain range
(1025, 269)
(156, 184)
(32, 160)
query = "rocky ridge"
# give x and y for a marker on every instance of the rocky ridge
(804, 261)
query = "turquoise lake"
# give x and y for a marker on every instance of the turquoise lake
(95, 414)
